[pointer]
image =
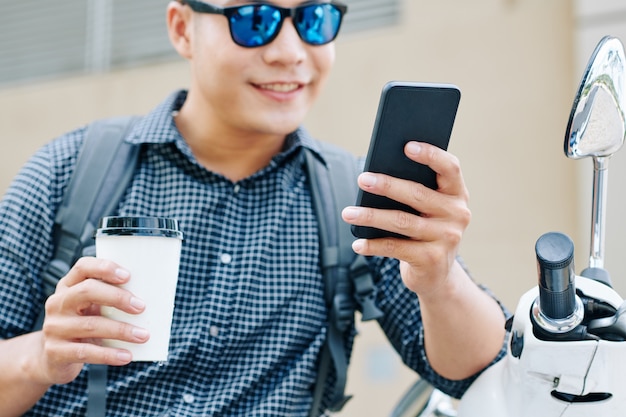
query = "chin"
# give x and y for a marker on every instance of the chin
(282, 132)
(282, 125)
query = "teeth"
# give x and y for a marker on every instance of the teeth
(281, 88)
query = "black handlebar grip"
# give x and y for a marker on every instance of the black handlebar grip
(555, 267)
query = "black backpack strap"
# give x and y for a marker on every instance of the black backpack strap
(104, 168)
(346, 276)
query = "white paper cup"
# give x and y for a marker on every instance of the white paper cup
(149, 248)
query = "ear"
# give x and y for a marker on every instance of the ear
(179, 27)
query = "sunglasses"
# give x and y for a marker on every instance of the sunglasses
(258, 24)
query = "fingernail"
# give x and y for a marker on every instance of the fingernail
(368, 179)
(350, 213)
(122, 273)
(137, 303)
(140, 333)
(124, 356)
(413, 148)
(358, 245)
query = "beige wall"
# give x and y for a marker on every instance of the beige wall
(512, 60)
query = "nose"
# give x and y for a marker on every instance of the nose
(287, 48)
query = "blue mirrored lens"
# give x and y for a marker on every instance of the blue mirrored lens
(318, 24)
(255, 25)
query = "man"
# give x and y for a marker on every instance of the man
(225, 158)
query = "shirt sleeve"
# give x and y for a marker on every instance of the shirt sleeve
(27, 213)
(403, 326)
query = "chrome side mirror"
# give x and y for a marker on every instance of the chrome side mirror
(597, 127)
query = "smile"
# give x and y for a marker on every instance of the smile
(280, 87)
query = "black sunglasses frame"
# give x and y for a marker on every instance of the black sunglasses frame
(202, 7)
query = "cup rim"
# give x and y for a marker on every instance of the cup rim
(138, 226)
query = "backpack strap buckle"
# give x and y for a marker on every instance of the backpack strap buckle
(338, 403)
(342, 312)
(364, 289)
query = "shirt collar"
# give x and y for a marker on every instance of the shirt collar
(158, 126)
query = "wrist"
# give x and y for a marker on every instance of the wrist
(448, 289)
(29, 350)
(21, 383)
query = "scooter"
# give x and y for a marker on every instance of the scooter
(566, 352)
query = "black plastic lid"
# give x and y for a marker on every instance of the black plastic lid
(138, 226)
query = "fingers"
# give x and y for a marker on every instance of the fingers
(78, 340)
(441, 216)
(73, 327)
(89, 284)
(80, 298)
(88, 353)
(397, 221)
(443, 213)
(440, 236)
(92, 328)
(102, 269)
(413, 194)
(449, 200)
(446, 166)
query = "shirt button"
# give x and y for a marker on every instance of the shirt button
(214, 331)
(225, 258)
(236, 188)
(188, 398)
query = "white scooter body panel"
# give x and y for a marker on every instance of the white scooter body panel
(522, 387)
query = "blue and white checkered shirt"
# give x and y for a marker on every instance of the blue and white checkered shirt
(250, 315)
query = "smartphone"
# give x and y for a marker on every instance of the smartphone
(407, 111)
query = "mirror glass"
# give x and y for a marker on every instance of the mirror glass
(597, 125)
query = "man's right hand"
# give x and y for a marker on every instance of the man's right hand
(73, 328)
(71, 335)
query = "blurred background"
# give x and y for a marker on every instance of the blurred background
(517, 63)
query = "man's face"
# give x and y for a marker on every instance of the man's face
(267, 89)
